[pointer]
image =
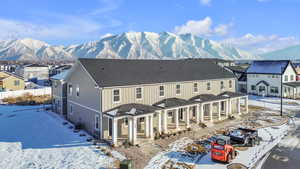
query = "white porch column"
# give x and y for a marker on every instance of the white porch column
(165, 121)
(219, 109)
(188, 117)
(229, 107)
(177, 119)
(211, 112)
(159, 122)
(246, 104)
(115, 131)
(239, 106)
(202, 112)
(198, 112)
(151, 134)
(147, 126)
(134, 131)
(130, 128)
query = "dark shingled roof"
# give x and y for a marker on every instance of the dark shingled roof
(292, 84)
(207, 98)
(173, 102)
(131, 110)
(232, 94)
(237, 69)
(268, 67)
(121, 72)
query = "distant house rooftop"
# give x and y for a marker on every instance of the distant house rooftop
(60, 76)
(121, 72)
(268, 67)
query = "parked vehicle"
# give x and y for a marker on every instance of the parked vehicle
(222, 150)
(244, 136)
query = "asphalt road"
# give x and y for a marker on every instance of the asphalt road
(285, 158)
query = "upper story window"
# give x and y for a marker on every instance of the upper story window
(292, 77)
(138, 93)
(77, 90)
(208, 86)
(161, 91)
(116, 95)
(17, 82)
(178, 89)
(196, 88)
(286, 78)
(70, 89)
(230, 83)
(222, 85)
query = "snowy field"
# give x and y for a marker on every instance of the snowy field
(31, 139)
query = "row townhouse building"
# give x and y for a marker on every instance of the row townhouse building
(134, 100)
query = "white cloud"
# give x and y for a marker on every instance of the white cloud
(203, 28)
(262, 43)
(205, 2)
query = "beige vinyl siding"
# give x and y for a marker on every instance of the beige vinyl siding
(151, 92)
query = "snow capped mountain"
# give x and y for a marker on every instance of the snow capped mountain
(292, 53)
(30, 49)
(132, 45)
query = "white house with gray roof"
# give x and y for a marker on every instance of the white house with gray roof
(134, 100)
(266, 77)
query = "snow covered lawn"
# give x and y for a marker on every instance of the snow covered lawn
(32, 139)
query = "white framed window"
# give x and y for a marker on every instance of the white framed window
(253, 87)
(138, 93)
(286, 78)
(70, 89)
(17, 82)
(196, 88)
(77, 90)
(230, 84)
(292, 77)
(161, 91)
(274, 90)
(116, 95)
(222, 85)
(178, 89)
(97, 122)
(208, 86)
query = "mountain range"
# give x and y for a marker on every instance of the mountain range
(131, 45)
(292, 53)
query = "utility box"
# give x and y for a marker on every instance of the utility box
(126, 164)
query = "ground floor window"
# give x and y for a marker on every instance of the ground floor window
(253, 87)
(262, 88)
(97, 121)
(274, 90)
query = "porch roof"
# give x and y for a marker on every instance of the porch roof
(264, 82)
(173, 102)
(207, 98)
(292, 84)
(132, 109)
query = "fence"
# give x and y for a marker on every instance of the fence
(35, 92)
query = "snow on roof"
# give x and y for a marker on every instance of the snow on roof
(132, 111)
(268, 66)
(113, 112)
(60, 76)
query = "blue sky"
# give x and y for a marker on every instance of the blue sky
(255, 25)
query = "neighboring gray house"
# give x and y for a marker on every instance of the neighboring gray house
(59, 93)
(266, 77)
(34, 72)
(134, 100)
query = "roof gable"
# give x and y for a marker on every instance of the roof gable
(118, 72)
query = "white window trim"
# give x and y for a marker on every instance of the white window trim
(77, 87)
(197, 87)
(159, 91)
(179, 89)
(222, 87)
(142, 93)
(209, 86)
(115, 102)
(97, 115)
(230, 86)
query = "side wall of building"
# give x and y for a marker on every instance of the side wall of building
(83, 108)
